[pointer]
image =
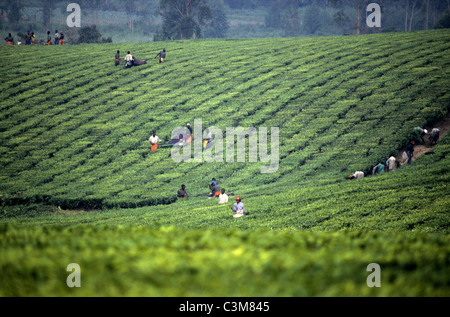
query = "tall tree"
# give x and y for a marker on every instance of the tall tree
(410, 8)
(284, 14)
(13, 10)
(47, 8)
(357, 5)
(427, 10)
(219, 23)
(291, 19)
(182, 19)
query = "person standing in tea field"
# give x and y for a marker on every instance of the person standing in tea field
(129, 60)
(223, 198)
(391, 163)
(238, 208)
(161, 56)
(182, 192)
(117, 58)
(377, 169)
(154, 139)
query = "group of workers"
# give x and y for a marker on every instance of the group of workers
(131, 61)
(30, 39)
(154, 140)
(238, 207)
(391, 164)
(215, 190)
(59, 38)
(419, 135)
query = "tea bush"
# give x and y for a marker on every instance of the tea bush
(78, 181)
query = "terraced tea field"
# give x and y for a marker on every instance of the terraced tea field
(75, 161)
(75, 128)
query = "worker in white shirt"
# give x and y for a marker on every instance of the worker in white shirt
(391, 163)
(129, 60)
(357, 175)
(223, 198)
(154, 139)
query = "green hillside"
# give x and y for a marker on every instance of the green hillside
(79, 183)
(75, 128)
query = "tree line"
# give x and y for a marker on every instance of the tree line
(187, 19)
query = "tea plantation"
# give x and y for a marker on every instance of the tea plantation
(79, 183)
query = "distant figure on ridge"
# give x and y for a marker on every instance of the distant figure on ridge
(56, 37)
(28, 38)
(9, 40)
(61, 39)
(49, 39)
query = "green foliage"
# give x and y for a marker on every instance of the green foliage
(342, 104)
(166, 261)
(14, 13)
(90, 34)
(219, 23)
(182, 20)
(444, 21)
(78, 182)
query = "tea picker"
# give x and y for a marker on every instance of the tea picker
(238, 208)
(356, 175)
(129, 60)
(161, 56)
(154, 139)
(182, 192)
(434, 136)
(419, 134)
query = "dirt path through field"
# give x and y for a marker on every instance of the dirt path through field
(443, 125)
